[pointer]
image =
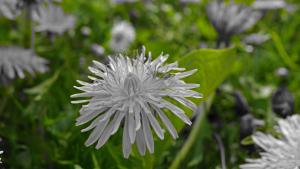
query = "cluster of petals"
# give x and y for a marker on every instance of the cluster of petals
(132, 93)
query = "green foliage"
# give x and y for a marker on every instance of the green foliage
(213, 66)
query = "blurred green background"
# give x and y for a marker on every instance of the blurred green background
(37, 120)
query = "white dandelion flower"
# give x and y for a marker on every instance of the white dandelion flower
(279, 153)
(14, 61)
(190, 1)
(256, 39)
(1, 152)
(122, 35)
(231, 19)
(53, 19)
(8, 8)
(132, 93)
(97, 50)
(122, 1)
(269, 4)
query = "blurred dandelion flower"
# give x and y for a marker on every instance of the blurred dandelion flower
(123, 34)
(269, 4)
(122, 1)
(190, 1)
(15, 60)
(134, 91)
(8, 8)
(97, 50)
(54, 20)
(256, 39)
(231, 19)
(86, 31)
(1, 152)
(280, 153)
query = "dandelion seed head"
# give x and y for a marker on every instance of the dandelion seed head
(122, 35)
(14, 61)
(278, 153)
(131, 92)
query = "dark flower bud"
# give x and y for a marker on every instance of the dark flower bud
(241, 104)
(283, 102)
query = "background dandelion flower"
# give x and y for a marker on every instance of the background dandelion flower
(122, 35)
(279, 153)
(1, 152)
(231, 19)
(54, 20)
(15, 60)
(8, 8)
(133, 91)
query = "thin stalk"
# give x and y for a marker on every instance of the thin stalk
(29, 32)
(202, 109)
(221, 148)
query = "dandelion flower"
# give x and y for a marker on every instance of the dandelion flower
(1, 152)
(256, 39)
(54, 20)
(132, 92)
(279, 153)
(269, 4)
(15, 60)
(8, 8)
(190, 1)
(123, 34)
(231, 19)
(97, 50)
(122, 1)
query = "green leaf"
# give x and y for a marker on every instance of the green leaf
(247, 141)
(77, 166)
(42, 88)
(282, 52)
(213, 67)
(95, 162)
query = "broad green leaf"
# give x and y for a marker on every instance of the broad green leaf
(213, 67)
(42, 88)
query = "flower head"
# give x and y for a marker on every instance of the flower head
(122, 35)
(269, 4)
(15, 60)
(1, 152)
(8, 8)
(231, 19)
(122, 1)
(134, 91)
(53, 19)
(256, 39)
(190, 1)
(280, 153)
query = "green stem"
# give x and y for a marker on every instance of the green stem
(194, 133)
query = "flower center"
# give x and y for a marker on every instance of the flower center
(132, 85)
